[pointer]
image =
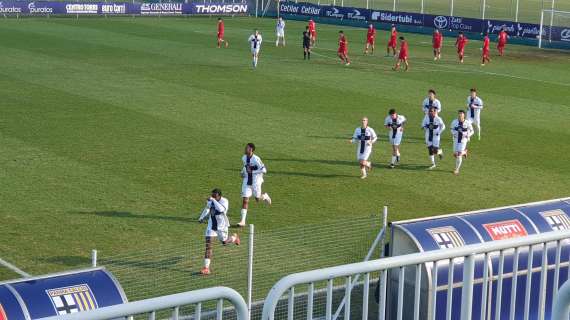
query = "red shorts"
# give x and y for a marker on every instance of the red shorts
(486, 53)
(403, 56)
(313, 34)
(460, 50)
(501, 44)
(342, 51)
(370, 40)
(220, 35)
(437, 45)
(392, 43)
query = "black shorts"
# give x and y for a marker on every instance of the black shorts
(306, 46)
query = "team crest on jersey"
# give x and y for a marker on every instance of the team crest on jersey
(3, 315)
(557, 219)
(72, 299)
(446, 237)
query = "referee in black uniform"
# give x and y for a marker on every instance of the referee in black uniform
(306, 44)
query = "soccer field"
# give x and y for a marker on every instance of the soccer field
(113, 131)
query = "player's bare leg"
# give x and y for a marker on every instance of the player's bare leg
(395, 156)
(207, 257)
(265, 198)
(458, 161)
(366, 48)
(244, 207)
(347, 60)
(432, 151)
(234, 238)
(226, 43)
(397, 66)
(407, 64)
(372, 48)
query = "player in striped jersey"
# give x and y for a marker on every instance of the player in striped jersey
(433, 126)
(255, 41)
(461, 130)
(474, 107)
(395, 122)
(366, 137)
(252, 173)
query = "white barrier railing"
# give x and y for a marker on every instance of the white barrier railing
(400, 263)
(174, 302)
(561, 308)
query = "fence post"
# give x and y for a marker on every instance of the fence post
(483, 10)
(517, 11)
(384, 226)
(451, 8)
(250, 268)
(467, 290)
(94, 258)
(541, 29)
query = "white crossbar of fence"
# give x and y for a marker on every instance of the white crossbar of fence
(174, 302)
(400, 263)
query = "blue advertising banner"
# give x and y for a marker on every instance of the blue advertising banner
(514, 29)
(414, 19)
(453, 23)
(301, 8)
(347, 13)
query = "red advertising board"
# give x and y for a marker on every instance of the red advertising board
(505, 229)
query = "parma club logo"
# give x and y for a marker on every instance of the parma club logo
(72, 299)
(446, 237)
(557, 219)
(3, 315)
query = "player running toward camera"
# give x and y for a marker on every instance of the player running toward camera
(474, 106)
(461, 130)
(433, 126)
(280, 31)
(343, 48)
(437, 42)
(460, 44)
(366, 137)
(485, 52)
(306, 44)
(392, 43)
(216, 213)
(431, 101)
(252, 173)
(402, 55)
(370, 39)
(221, 30)
(395, 124)
(502, 41)
(255, 43)
(313, 32)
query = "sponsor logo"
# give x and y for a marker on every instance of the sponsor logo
(557, 219)
(72, 299)
(113, 8)
(440, 22)
(446, 237)
(224, 8)
(393, 17)
(34, 9)
(505, 229)
(3, 315)
(457, 23)
(355, 15)
(161, 8)
(334, 13)
(11, 9)
(77, 8)
(565, 35)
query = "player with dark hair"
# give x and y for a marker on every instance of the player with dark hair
(431, 101)
(370, 38)
(343, 48)
(461, 130)
(306, 44)
(474, 107)
(392, 43)
(221, 30)
(395, 122)
(437, 41)
(433, 126)
(485, 51)
(403, 55)
(502, 41)
(366, 137)
(252, 173)
(460, 44)
(216, 213)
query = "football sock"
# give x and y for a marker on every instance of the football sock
(243, 215)
(207, 263)
(458, 161)
(304, 55)
(432, 159)
(309, 55)
(394, 158)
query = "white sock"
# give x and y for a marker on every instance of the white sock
(458, 161)
(232, 239)
(264, 196)
(277, 42)
(439, 151)
(363, 172)
(243, 215)
(432, 159)
(394, 159)
(207, 263)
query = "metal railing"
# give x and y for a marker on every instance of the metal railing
(416, 261)
(561, 308)
(174, 302)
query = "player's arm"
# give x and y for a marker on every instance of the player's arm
(260, 168)
(441, 127)
(470, 130)
(479, 102)
(404, 121)
(220, 206)
(424, 123)
(354, 136)
(374, 136)
(205, 213)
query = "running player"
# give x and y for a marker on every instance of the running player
(485, 54)
(216, 213)
(306, 44)
(280, 31)
(366, 137)
(392, 43)
(252, 173)
(502, 41)
(370, 38)
(313, 32)
(343, 48)
(461, 130)
(433, 126)
(431, 101)
(437, 42)
(395, 122)
(403, 55)
(255, 43)
(460, 44)
(474, 106)
(221, 30)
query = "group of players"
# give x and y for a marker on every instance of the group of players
(310, 36)
(433, 126)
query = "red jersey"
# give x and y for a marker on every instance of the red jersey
(393, 37)
(342, 44)
(371, 33)
(503, 37)
(312, 26)
(220, 28)
(461, 42)
(403, 50)
(486, 43)
(437, 40)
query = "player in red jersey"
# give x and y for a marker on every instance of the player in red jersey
(313, 31)
(393, 41)
(343, 48)
(437, 41)
(221, 34)
(403, 55)
(486, 51)
(370, 38)
(502, 41)
(460, 43)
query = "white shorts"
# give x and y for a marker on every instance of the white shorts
(397, 139)
(477, 118)
(434, 141)
(254, 190)
(255, 51)
(460, 146)
(365, 155)
(281, 34)
(222, 235)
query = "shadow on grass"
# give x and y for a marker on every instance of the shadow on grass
(130, 215)
(322, 161)
(69, 261)
(312, 175)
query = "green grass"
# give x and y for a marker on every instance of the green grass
(112, 132)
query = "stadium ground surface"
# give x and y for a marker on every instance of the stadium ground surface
(113, 131)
